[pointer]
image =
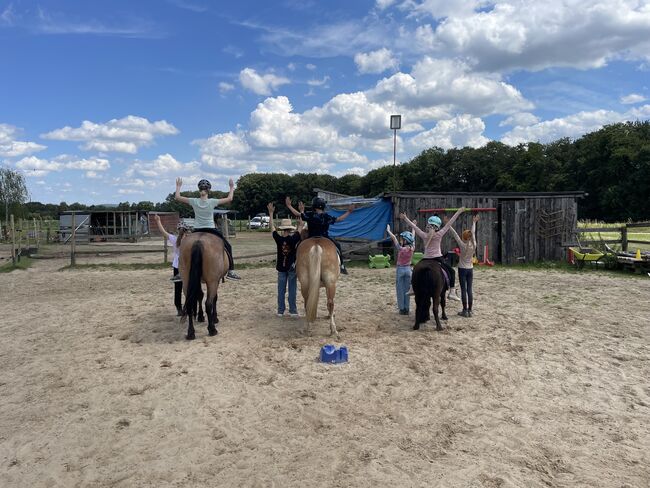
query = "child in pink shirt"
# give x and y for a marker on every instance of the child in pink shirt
(403, 273)
(432, 240)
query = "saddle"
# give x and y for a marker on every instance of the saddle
(445, 275)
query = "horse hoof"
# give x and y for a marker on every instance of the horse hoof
(190, 337)
(438, 329)
(200, 319)
(416, 327)
(444, 317)
(213, 332)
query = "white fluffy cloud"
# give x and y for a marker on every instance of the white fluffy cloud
(444, 82)
(573, 126)
(165, 166)
(376, 61)
(37, 166)
(522, 119)
(11, 148)
(633, 98)
(118, 135)
(535, 35)
(226, 87)
(460, 131)
(261, 84)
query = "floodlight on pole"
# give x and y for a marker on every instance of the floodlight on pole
(395, 124)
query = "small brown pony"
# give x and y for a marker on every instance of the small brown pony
(428, 285)
(317, 265)
(202, 258)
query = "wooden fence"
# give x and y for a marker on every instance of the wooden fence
(623, 230)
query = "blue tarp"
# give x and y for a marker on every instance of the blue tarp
(364, 223)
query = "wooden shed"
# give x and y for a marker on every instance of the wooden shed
(518, 227)
(114, 225)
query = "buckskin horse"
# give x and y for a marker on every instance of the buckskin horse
(317, 265)
(428, 284)
(202, 258)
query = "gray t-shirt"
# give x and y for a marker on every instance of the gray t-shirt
(204, 212)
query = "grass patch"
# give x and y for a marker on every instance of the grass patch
(23, 264)
(567, 268)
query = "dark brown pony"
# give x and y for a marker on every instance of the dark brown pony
(202, 259)
(428, 284)
(317, 265)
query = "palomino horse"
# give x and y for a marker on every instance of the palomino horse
(202, 258)
(428, 284)
(317, 264)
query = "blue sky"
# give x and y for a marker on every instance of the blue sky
(102, 102)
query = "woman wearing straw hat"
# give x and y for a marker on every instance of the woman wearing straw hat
(286, 242)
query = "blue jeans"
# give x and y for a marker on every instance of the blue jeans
(284, 278)
(466, 277)
(402, 285)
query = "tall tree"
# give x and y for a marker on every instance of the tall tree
(13, 190)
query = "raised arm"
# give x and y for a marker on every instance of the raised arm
(160, 227)
(345, 215)
(453, 218)
(287, 202)
(457, 237)
(177, 196)
(413, 226)
(392, 236)
(474, 220)
(271, 209)
(231, 194)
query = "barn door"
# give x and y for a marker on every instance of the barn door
(511, 236)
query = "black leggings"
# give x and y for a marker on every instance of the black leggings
(226, 244)
(450, 271)
(466, 277)
(178, 291)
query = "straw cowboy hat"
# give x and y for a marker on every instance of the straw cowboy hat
(285, 224)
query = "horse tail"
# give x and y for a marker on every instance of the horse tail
(315, 258)
(194, 284)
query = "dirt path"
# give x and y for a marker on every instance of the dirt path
(546, 386)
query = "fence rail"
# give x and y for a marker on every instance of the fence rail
(622, 230)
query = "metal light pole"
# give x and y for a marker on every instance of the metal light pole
(395, 124)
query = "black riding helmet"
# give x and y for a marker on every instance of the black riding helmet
(204, 185)
(318, 202)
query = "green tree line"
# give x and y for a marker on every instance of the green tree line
(612, 165)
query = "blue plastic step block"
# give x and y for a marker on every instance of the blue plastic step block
(331, 354)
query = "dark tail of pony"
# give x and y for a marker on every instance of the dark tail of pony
(194, 284)
(423, 283)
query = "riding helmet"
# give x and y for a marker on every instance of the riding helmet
(204, 185)
(435, 221)
(318, 202)
(407, 236)
(182, 226)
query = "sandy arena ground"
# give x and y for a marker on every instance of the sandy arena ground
(547, 385)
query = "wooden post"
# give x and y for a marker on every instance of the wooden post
(624, 238)
(47, 235)
(13, 240)
(20, 239)
(36, 234)
(165, 249)
(225, 225)
(73, 260)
